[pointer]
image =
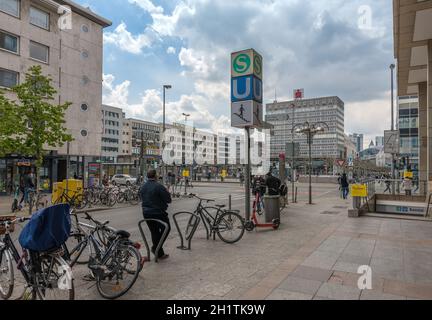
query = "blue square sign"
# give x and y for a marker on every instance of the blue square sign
(246, 88)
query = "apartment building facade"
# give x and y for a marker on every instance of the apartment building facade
(112, 132)
(72, 57)
(408, 110)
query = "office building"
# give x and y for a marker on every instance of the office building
(326, 147)
(408, 109)
(379, 141)
(413, 51)
(72, 57)
(358, 140)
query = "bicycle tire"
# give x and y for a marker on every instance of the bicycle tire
(76, 255)
(224, 219)
(99, 280)
(6, 289)
(41, 290)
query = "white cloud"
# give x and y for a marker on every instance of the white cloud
(147, 5)
(115, 95)
(171, 50)
(126, 41)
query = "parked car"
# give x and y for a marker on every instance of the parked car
(122, 179)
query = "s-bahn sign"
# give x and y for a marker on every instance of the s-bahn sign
(246, 89)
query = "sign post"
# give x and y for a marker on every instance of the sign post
(247, 103)
(391, 145)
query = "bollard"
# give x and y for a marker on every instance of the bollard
(229, 202)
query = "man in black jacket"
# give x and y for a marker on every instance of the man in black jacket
(155, 199)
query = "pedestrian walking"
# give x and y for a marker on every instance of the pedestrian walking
(155, 200)
(407, 185)
(388, 185)
(345, 186)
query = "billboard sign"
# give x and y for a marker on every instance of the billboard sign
(298, 94)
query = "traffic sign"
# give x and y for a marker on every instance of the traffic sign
(246, 114)
(246, 88)
(246, 62)
(391, 141)
(340, 163)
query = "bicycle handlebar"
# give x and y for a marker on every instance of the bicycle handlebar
(201, 199)
(100, 224)
(17, 220)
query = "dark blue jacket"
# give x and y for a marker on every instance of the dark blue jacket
(155, 198)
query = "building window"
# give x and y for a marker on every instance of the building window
(84, 107)
(84, 28)
(39, 18)
(84, 54)
(8, 79)
(39, 52)
(11, 7)
(85, 80)
(8, 42)
(84, 133)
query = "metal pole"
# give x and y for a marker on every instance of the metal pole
(248, 176)
(310, 166)
(142, 154)
(67, 167)
(163, 137)
(293, 157)
(392, 128)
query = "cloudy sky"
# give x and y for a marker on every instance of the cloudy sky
(331, 47)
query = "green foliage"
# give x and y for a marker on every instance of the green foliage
(33, 121)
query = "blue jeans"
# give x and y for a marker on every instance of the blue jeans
(345, 191)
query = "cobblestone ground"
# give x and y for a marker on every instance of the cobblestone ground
(314, 255)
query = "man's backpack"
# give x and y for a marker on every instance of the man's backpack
(283, 190)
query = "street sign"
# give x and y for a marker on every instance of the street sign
(340, 163)
(298, 94)
(246, 114)
(246, 62)
(350, 162)
(359, 190)
(246, 88)
(391, 141)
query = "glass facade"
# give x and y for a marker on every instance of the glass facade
(409, 130)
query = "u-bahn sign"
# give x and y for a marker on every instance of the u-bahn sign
(246, 89)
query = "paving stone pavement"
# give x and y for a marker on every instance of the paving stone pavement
(312, 256)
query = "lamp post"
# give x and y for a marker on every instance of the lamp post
(165, 87)
(392, 67)
(310, 130)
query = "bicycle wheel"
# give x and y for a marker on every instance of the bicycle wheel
(190, 226)
(6, 274)
(55, 281)
(80, 253)
(119, 273)
(230, 227)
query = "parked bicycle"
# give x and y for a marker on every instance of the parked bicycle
(115, 264)
(45, 273)
(227, 224)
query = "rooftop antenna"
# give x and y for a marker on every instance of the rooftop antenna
(275, 100)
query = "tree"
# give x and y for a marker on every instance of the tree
(32, 121)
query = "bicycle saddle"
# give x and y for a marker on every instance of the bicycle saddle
(123, 234)
(220, 206)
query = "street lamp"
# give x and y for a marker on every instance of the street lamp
(392, 67)
(165, 87)
(310, 130)
(186, 115)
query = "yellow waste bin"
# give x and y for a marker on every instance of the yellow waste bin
(75, 187)
(57, 191)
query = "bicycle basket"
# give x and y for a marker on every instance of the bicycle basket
(3, 228)
(49, 228)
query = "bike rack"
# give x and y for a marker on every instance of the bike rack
(194, 228)
(159, 246)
